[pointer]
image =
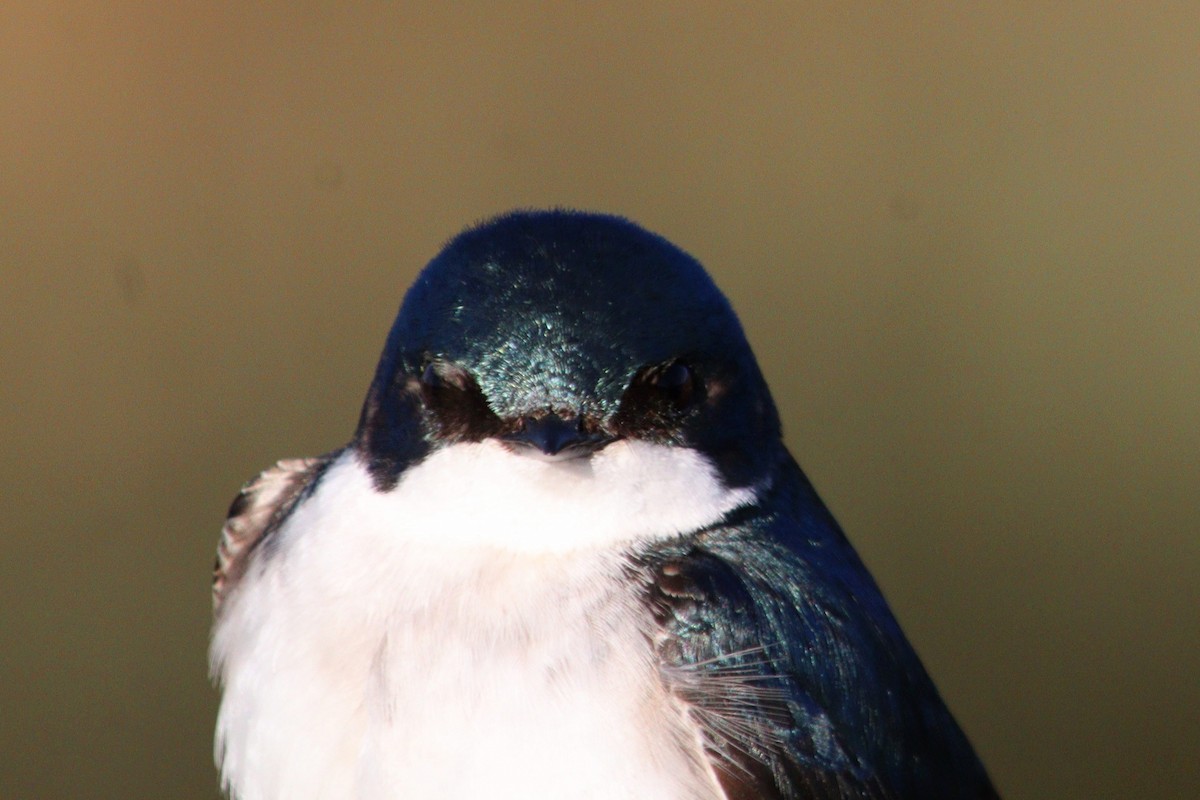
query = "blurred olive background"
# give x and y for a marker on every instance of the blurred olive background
(964, 239)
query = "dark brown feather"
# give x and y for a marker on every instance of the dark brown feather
(255, 513)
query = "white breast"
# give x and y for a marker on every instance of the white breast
(469, 634)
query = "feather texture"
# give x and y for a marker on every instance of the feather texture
(804, 685)
(261, 505)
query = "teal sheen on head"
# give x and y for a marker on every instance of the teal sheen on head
(556, 312)
(548, 309)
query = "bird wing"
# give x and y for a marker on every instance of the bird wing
(775, 636)
(256, 512)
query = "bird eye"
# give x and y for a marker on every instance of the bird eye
(677, 381)
(430, 377)
(455, 402)
(674, 377)
(658, 400)
(445, 375)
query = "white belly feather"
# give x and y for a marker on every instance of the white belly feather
(470, 634)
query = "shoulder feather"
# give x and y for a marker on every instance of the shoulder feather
(255, 513)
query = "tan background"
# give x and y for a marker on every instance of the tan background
(965, 241)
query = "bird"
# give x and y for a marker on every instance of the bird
(566, 554)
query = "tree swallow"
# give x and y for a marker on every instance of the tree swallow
(565, 555)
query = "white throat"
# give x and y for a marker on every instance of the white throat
(484, 495)
(470, 633)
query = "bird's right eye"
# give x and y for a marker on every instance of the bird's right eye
(438, 375)
(455, 403)
(430, 377)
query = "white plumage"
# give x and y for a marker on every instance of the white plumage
(468, 634)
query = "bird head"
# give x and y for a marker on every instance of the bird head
(558, 333)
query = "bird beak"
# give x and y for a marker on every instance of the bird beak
(553, 437)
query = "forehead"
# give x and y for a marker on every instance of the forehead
(559, 268)
(561, 306)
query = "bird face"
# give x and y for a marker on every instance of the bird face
(558, 335)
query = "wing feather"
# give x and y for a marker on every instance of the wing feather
(262, 504)
(773, 634)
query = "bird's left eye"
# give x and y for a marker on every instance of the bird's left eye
(677, 381)
(657, 401)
